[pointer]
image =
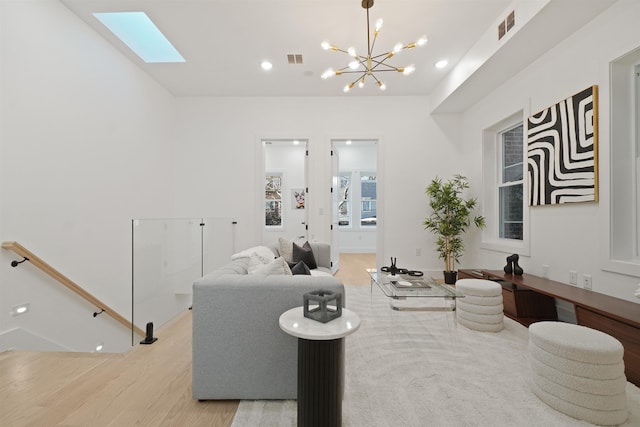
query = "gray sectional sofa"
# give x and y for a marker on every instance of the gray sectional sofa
(239, 350)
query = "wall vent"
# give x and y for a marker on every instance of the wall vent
(294, 58)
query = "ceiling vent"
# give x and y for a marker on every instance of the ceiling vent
(506, 25)
(294, 58)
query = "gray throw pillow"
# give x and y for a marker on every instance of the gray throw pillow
(304, 254)
(300, 268)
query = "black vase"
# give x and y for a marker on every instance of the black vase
(450, 277)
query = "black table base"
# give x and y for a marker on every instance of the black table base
(320, 382)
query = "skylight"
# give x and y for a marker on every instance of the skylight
(137, 31)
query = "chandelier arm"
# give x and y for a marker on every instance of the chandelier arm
(375, 37)
(356, 71)
(337, 49)
(358, 79)
(382, 63)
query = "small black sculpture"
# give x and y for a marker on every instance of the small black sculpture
(393, 269)
(512, 266)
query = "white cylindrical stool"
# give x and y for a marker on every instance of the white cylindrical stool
(481, 308)
(578, 371)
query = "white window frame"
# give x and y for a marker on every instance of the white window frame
(620, 205)
(266, 200)
(491, 167)
(499, 173)
(370, 201)
(349, 199)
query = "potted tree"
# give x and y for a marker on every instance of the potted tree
(451, 216)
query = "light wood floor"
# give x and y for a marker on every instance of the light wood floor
(150, 385)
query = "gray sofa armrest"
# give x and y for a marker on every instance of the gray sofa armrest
(322, 254)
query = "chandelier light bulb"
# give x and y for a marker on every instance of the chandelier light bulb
(422, 41)
(382, 86)
(326, 45)
(398, 47)
(347, 88)
(361, 83)
(352, 51)
(379, 23)
(409, 70)
(354, 65)
(328, 73)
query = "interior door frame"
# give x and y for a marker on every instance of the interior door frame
(380, 193)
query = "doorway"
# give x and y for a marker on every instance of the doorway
(284, 190)
(355, 207)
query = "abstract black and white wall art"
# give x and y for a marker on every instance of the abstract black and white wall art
(562, 151)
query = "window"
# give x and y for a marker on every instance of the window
(344, 205)
(622, 218)
(273, 200)
(368, 216)
(510, 183)
(503, 202)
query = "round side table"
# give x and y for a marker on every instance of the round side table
(320, 364)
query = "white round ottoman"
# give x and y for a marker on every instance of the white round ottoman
(578, 371)
(481, 308)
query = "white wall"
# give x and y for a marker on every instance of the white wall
(566, 237)
(84, 149)
(218, 137)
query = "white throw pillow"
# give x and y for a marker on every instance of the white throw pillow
(262, 252)
(320, 273)
(255, 262)
(277, 267)
(286, 249)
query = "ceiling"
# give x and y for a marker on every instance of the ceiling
(224, 41)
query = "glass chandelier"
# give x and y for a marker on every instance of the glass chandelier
(369, 65)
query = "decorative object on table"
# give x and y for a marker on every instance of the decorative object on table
(393, 269)
(322, 313)
(451, 216)
(562, 151)
(512, 266)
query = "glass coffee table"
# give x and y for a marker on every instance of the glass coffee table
(415, 293)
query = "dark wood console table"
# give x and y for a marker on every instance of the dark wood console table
(530, 298)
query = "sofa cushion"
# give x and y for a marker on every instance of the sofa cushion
(299, 268)
(286, 249)
(321, 272)
(277, 267)
(304, 254)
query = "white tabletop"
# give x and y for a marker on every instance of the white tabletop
(294, 323)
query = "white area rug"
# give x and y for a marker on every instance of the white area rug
(422, 368)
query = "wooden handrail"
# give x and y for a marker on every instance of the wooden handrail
(52, 272)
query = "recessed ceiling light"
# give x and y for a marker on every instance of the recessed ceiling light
(20, 309)
(137, 31)
(441, 64)
(266, 65)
